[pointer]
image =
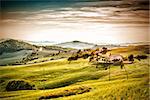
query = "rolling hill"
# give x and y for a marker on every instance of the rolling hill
(76, 45)
(84, 45)
(14, 52)
(11, 45)
(80, 80)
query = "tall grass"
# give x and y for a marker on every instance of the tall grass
(54, 76)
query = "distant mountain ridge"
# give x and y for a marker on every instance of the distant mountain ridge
(84, 45)
(76, 45)
(10, 45)
(41, 43)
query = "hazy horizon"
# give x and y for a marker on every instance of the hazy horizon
(90, 21)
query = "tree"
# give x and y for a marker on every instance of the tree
(131, 57)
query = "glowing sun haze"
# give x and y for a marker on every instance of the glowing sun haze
(95, 21)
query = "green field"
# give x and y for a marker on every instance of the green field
(56, 77)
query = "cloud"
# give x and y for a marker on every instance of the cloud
(86, 14)
(95, 19)
(112, 11)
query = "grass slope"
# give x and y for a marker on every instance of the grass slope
(55, 76)
(15, 52)
(62, 81)
(12, 45)
(12, 58)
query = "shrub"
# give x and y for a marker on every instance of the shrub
(131, 57)
(15, 85)
(139, 57)
(52, 59)
(85, 56)
(73, 58)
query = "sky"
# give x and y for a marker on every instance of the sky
(94, 21)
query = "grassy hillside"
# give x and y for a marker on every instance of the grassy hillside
(11, 45)
(139, 49)
(79, 80)
(15, 52)
(14, 58)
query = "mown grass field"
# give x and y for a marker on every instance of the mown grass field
(67, 81)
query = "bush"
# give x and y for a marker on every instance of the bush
(131, 57)
(73, 58)
(85, 56)
(15, 85)
(139, 57)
